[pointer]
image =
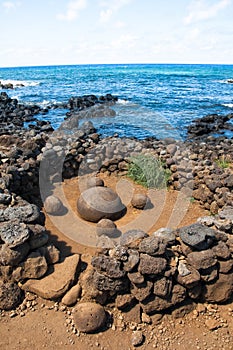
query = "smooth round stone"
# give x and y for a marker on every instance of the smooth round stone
(98, 203)
(105, 227)
(93, 182)
(139, 200)
(53, 205)
(89, 317)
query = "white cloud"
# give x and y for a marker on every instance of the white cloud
(200, 10)
(110, 8)
(124, 41)
(10, 5)
(73, 9)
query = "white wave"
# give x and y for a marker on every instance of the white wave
(230, 105)
(123, 102)
(226, 81)
(19, 83)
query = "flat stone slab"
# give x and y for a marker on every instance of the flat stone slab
(197, 236)
(57, 281)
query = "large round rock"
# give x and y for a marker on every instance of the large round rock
(98, 203)
(89, 317)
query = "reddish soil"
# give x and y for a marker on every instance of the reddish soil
(40, 324)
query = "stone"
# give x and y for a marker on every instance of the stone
(226, 213)
(142, 291)
(89, 317)
(38, 236)
(197, 236)
(53, 205)
(108, 266)
(155, 304)
(120, 253)
(5, 198)
(57, 281)
(35, 266)
(132, 260)
(14, 233)
(166, 235)
(93, 182)
(13, 256)
(221, 251)
(29, 213)
(219, 291)
(89, 290)
(132, 314)
(71, 297)
(106, 227)
(195, 292)
(183, 309)
(139, 200)
(212, 324)
(202, 260)
(178, 294)
(124, 301)
(105, 283)
(188, 276)
(132, 238)
(137, 338)
(152, 246)
(105, 242)
(51, 253)
(136, 277)
(209, 274)
(225, 266)
(163, 287)
(98, 203)
(10, 295)
(151, 265)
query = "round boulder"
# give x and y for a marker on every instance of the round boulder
(53, 205)
(98, 203)
(93, 182)
(139, 200)
(89, 317)
(105, 227)
(10, 295)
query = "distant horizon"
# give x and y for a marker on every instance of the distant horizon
(119, 64)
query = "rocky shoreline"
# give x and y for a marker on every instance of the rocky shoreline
(142, 275)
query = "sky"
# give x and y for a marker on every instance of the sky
(57, 32)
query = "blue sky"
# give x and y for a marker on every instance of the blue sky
(51, 32)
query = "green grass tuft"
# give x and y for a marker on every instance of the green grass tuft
(148, 171)
(222, 163)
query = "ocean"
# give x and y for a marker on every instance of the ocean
(158, 100)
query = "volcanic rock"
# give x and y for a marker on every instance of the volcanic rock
(132, 238)
(202, 260)
(197, 236)
(13, 256)
(14, 233)
(152, 246)
(151, 265)
(10, 295)
(219, 291)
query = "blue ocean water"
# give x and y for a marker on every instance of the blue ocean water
(154, 99)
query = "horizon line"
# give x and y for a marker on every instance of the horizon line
(118, 64)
